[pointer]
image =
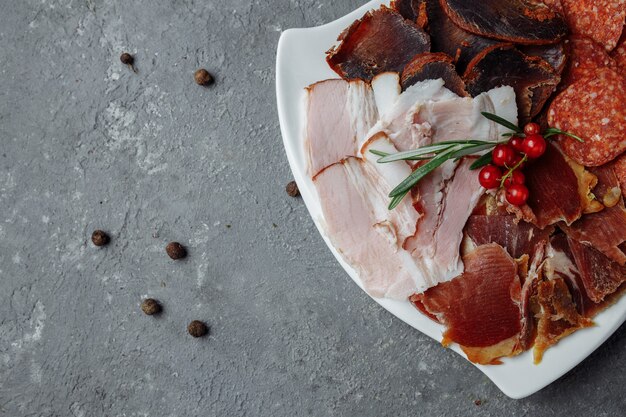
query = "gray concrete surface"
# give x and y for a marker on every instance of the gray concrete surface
(151, 157)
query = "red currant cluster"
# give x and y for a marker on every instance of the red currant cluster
(508, 160)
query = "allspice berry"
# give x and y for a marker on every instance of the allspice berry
(197, 328)
(100, 238)
(128, 59)
(203, 77)
(175, 250)
(292, 189)
(150, 306)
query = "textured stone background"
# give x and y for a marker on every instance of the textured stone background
(151, 157)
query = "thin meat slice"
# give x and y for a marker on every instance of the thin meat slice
(585, 58)
(381, 41)
(619, 54)
(413, 10)
(450, 39)
(528, 22)
(558, 318)
(432, 66)
(555, 55)
(600, 276)
(533, 79)
(481, 307)
(338, 116)
(600, 20)
(349, 222)
(606, 229)
(517, 237)
(593, 109)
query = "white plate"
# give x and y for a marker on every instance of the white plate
(301, 61)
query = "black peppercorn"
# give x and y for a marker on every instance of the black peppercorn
(128, 59)
(292, 189)
(203, 77)
(100, 238)
(197, 328)
(175, 250)
(150, 306)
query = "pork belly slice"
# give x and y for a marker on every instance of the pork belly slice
(481, 307)
(380, 41)
(447, 198)
(385, 269)
(606, 229)
(338, 115)
(558, 317)
(517, 237)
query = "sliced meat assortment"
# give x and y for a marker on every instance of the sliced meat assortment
(592, 108)
(432, 66)
(600, 20)
(380, 41)
(533, 79)
(606, 229)
(481, 307)
(338, 116)
(528, 22)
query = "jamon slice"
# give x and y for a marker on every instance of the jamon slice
(558, 318)
(593, 109)
(555, 54)
(601, 20)
(517, 237)
(528, 22)
(481, 307)
(431, 66)
(381, 41)
(350, 222)
(555, 192)
(447, 37)
(585, 58)
(600, 276)
(338, 115)
(606, 229)
(533, 79)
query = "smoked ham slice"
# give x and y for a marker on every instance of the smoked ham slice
(380, 41)
(481, 307)
(338, 115)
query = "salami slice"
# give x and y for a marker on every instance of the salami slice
(585, 57)
(620, 171)
(619, 54)
(601, 20)
(592, 108)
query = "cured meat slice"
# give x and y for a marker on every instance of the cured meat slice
(518, 238)
(447, 37)
(600, 276)
(533, 79)
(558, 318)
(338, 115)
(553, 187)
(585, 57)
(619, 166)
(601, 20)
(481, 307)
(619, 54)
(592, 108)
(431, 66)
(555, 54)
(528, 22)
(413, 10)
(604, 230)
(381, 41)
(350, 222)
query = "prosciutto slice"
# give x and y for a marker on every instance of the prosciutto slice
(339, 114)
(481, 307)
(604, 230)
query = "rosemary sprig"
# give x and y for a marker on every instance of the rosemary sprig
(482, 161)
(552, 131)
(499, 120)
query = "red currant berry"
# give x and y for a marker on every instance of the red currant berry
(517, 177)
(517, 143)
(534, 146)
(490, 177)
(517, 194)
(532, 129)
(503, 155)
